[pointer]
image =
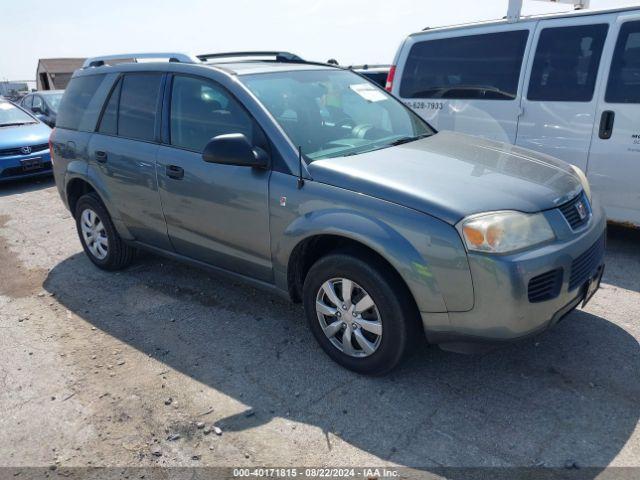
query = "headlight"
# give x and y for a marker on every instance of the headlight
(502, 232)
(583, 180)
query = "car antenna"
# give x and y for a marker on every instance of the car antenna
(300, 179)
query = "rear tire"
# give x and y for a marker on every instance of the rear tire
(98, 236)
(349, 335)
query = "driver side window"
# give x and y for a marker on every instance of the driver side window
(201, 110)
(37, 103)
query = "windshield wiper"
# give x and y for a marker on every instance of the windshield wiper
(358, 152)
(465, 92)
(14, 124)
(399, 141)
(403, 140)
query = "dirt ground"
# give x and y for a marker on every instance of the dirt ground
(119, 369)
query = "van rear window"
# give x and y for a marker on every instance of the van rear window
(76, 99)
(485, 67)
(624, 78)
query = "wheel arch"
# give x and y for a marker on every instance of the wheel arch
(371, 239)
(77, 185)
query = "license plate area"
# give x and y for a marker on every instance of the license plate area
(592, 285)
(31, 164)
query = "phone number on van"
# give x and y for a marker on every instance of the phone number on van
(418, 105)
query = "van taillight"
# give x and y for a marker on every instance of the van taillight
(392, 73)
(51, 145)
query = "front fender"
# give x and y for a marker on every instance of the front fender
(426, 252)
(380, 237)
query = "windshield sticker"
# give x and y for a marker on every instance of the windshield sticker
(368, 92)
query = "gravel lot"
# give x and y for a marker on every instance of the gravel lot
(103, 369)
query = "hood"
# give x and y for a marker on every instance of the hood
(451, 175)
(23, 135)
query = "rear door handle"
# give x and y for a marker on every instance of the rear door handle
(606, 124)
(101, 156)
(174, 171)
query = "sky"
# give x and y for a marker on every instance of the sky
(351, 31)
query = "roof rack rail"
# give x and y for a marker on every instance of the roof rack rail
(134, 57)
(278, 56)
(367, 66)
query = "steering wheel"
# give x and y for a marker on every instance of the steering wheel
(345, 122)
(362, 130)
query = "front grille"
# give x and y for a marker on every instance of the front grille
(17, 171)
(577, 211)
(585, 265)
(546, 286)
(8, 152)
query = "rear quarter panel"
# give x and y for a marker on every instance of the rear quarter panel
(70, 157)
(73, 161)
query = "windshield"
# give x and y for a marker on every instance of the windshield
(12, 115)
(53, 99)
(332, 113)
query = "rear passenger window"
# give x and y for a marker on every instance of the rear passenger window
(109, 122)
(624, 78)
(138, 105)
(566, 63)
(201, 110)
(471, 67)
(76, 99)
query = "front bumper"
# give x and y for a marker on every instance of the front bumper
(503, 309)
(12, 167)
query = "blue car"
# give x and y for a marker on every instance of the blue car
(24, 144)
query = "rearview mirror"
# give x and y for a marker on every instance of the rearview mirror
(234, 149)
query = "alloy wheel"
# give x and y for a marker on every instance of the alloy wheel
(94, 234)
(349, 317)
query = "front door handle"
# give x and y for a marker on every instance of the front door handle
(101, 156)
(174, 171)
(606, 124)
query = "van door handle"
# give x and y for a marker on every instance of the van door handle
(174, 171)
(101, 156)
(606, 124)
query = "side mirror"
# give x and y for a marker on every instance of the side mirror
(37, 110)
(235, 149)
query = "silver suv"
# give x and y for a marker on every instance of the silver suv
(314, 182)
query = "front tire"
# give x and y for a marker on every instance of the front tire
(98, 236)
(359, 312)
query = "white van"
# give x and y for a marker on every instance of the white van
(567, 85)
